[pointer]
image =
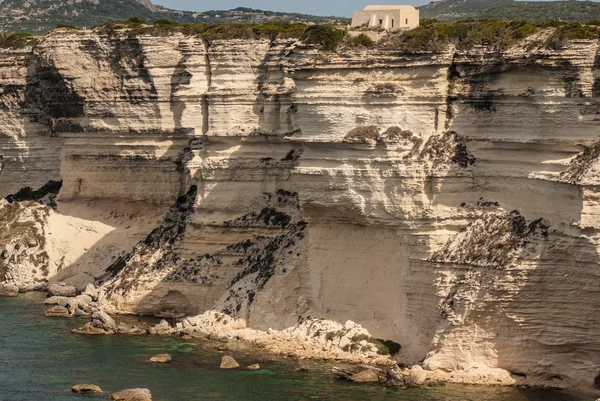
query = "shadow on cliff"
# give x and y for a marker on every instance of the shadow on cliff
(234, 227)
(54, 102)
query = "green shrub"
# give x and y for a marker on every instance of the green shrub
(66, 26)
(362, 40)
(553, 24)
(572, 31)
(136, 20)
(18, 40)
(397, 133)
(362, 134)
(166, 22)
(326, 36)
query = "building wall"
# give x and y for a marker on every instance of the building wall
(387, 19)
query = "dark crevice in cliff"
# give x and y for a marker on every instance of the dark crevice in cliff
(205, 100)
(45, 195)
(596, 69)
(452, 76)
(180, 77)
(127, 61)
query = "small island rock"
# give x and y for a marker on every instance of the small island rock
(256, 366)
(161, 358)
(135, 394)
(86, 389)
(229, 363)
(57, 311)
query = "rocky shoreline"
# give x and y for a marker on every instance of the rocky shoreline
(66, 301)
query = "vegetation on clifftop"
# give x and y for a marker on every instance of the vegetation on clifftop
(431, 36)
(434, 35)
(17, 40)
(328, 37)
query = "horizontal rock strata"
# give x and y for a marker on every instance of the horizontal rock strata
(445, 202)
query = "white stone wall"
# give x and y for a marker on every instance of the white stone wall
(404, 17)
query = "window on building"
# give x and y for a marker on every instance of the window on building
(407, 21)
(380, 22)
(392, 23)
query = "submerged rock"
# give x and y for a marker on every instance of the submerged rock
(135, 394)
(228, 362)
(130, 329)
(161, 358)
(86, 389)
(8, 290)
(57, 311)
(370, 374)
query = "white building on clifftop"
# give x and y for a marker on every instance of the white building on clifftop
(387, 17)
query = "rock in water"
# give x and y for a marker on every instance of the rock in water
(417, 375)
(229, 363)
(8, 290)
(161, 329)
(136, 394)
(256, 366)
(161, 358)
(101, 319)
(86, 389)
(62, 290)
(57, 311)
(100, 323)
(370, 374)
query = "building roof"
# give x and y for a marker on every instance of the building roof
(379, 8)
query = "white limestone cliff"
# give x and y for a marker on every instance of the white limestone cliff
(446, 202)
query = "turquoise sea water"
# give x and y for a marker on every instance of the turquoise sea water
(40, 359)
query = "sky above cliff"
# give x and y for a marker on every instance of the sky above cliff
(342, 8)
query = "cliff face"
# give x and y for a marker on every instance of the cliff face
(447, 202)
